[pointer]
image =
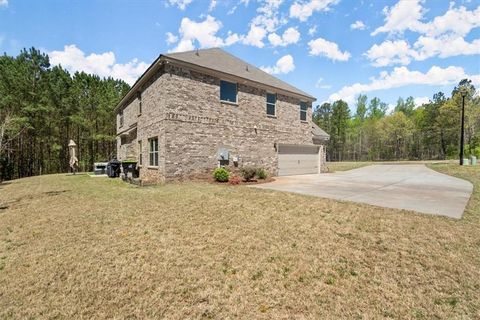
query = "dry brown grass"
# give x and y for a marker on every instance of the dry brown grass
(345, 165)
(349, 165)
(77, 247)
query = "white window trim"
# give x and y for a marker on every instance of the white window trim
(274, 105)
(220, 93)
(150, 165)
(306, 111)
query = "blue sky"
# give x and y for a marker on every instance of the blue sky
(330, 48)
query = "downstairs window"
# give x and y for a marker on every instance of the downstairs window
(153, 152)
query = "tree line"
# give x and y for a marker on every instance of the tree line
(429, 131)
(42, 107)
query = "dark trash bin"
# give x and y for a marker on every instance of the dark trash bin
(130, 166)
(113, 168)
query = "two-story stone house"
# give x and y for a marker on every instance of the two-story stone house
(193, 111)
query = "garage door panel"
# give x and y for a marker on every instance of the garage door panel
(294, 160)
(296, 171)
(298, 150)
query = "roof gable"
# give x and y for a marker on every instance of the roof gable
(220, 61)
(318, 133)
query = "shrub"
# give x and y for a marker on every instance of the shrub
(221, 174)
(248, 173)
(261, 173)
(234, 180)
(476, 152)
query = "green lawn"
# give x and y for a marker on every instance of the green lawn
(81, 247)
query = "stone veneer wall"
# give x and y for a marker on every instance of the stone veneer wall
(323, 158)
(197, 124)
(150, 124)
(126, 143)
(182, 108)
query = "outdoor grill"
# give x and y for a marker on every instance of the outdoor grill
(100, 168)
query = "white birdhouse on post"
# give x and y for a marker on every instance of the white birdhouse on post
(72, 146)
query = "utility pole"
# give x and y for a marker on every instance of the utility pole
(463, 125)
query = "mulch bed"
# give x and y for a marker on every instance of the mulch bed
(242, 182)
(238, 180)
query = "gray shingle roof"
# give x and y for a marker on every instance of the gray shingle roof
(222, 61)
(318, 133)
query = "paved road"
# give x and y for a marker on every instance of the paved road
(410, 187)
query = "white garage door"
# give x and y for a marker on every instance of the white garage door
(297, 160)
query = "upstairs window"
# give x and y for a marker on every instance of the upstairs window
(153, 152)
(271, 101)
(228, 91)
(303, 111)
(120, 116)
(139, 97)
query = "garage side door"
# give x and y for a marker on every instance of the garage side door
(294, 160)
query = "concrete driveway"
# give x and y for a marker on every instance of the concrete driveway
(410, 187)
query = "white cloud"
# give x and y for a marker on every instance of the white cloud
(266, 21)
(268, 15)
(184, 45)
(400, 52)
(232, 11)
(322, 47)
(457, 21)
(303, 10)
(390, 52)
(312, 30)
(213, 4)
(284, 65)
(401, 76)
(275, 39)
(405, 15)
(358, 25)
(255, 36)
(171, 38)
(319, 84)
(181, 4)
(205, 33)
(232, 38)
(104, 65)
(421, 100)
(234, 8)
(444, 46)
(290, 36)
(442, 37)
(3, 3)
